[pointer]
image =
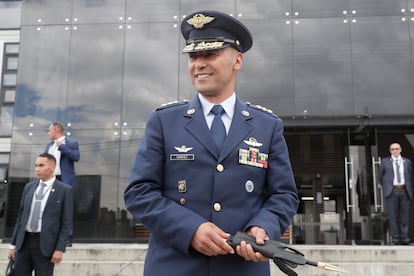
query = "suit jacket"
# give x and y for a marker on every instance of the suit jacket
(179, 181)
(56, 219)
(386, 176)
(69, 155)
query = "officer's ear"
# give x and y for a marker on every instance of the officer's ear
(238, 60)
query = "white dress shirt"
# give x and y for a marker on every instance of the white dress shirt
(228, 106)
(54, 150)
(401, 165)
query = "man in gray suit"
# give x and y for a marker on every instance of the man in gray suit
(395, 175)
(43, 223)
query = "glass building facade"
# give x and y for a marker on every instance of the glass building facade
(338, 72)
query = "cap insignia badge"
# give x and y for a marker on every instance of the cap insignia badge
(199, 20)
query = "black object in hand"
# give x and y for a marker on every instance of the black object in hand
(285, 257)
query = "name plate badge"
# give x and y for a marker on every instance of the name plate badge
(182, 157)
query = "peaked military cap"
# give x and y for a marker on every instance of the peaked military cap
(211, 30)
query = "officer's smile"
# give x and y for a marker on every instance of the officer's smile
(202, 76)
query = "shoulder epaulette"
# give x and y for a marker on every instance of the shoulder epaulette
(261, 108)
(171, 104)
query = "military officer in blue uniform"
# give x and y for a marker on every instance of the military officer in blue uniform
(211, 166)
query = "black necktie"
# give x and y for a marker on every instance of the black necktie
(217, 128)
(397, 168)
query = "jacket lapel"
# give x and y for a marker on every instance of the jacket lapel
(52, 195)
(29, 195)
(239, 128)
(197, 125)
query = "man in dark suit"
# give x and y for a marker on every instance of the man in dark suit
(43, 223)
(66, 152)
(395, 175)
(212, 166)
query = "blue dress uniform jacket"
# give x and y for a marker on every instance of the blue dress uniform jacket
(179, 181)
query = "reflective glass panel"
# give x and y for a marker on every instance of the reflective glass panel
(377, 7)
(129, 145)
(263, 10)
(27, 144)
(150, 75)
(11, 63)
(319, 8)
(187, 6)
(10, 14)
(9, 96)
(411, 33)
(95, 76)
(323, 79)
(4, 158)
(3, 172)
(40, 12)
(11, 48)
(6, 120)
(98, 11)
(382, 71)
(43, 69)
(153, 11)
(266, 77)
(98, 189)
(9, 79)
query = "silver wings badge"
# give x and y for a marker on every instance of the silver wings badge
(182, 154)
(253, 142)
(183, 149)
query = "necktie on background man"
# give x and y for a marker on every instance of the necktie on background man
(397, 168)
(218, 129)
(34, 221)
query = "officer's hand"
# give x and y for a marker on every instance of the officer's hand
(57, 257)
(246, 250)
(211, 240)
(12, 254)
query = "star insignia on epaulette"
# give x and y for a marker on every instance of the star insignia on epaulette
(199, 20)
(260, 108)
(169, 103)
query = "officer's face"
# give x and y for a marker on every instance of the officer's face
(395, 149)
(44, 168)
(213, 73)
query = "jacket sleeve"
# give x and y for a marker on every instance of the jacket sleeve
(381, 171)
(19, 220)
(144, 197)
(71, 150)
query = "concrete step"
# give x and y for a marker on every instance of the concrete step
(110, 259)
